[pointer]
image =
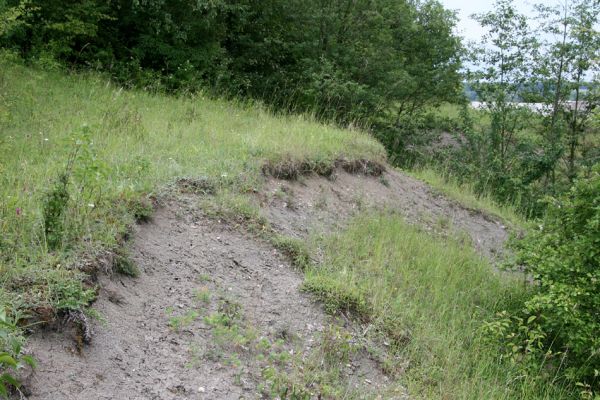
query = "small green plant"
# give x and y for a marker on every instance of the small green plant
(179, 322)
(124, 264)
(55, 204)
(12, 359)
(202, 295)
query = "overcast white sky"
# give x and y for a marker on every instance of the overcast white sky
(469, 28)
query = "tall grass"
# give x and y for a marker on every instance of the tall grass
(429, 297)
(464, 194)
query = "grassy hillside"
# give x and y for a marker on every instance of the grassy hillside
(427, 296)
(117, 147)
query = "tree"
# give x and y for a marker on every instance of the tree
(501, 76)
(10, 16)
(563, 258)
(566, 63)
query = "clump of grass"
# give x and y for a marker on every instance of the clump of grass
(123, 264)
(428, 296)
(202, 295)
(295, 249)
(178, 322)
(140, 207)
(197, 185)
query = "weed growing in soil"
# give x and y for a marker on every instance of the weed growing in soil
(181, 321)
(13, 358)
(295, 249)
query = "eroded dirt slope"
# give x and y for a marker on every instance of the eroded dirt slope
(167, 334)
(156, 342)
(298, 208)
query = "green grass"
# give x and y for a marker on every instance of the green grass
(465, 195)
(428, 297)
(123, 146)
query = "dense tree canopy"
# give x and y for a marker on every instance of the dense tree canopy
(347, 60)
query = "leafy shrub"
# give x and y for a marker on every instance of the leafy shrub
(563, 258)
(12, 359)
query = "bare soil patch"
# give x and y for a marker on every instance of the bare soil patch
(157, 342)
(314, 203)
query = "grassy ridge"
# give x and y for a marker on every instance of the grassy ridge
(117, 146)
(426, 296)
(465, 195)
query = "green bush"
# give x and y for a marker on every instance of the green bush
(563, 258)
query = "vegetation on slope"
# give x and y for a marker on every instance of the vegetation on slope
(80, 156)
(429, 299)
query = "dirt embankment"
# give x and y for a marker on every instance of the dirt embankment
(201, 278)
(299, 207)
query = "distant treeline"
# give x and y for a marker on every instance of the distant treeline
(529, 93)
(357, 61)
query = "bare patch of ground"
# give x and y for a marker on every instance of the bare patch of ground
(212, 307)
(318, 204)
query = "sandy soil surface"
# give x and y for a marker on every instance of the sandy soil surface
(298, 208)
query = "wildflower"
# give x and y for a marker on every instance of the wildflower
(19, 211)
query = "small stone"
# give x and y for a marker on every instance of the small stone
(201, 389)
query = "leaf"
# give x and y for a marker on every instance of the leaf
(6, 359)
(531, 319)
(10, 379)
(29, 360)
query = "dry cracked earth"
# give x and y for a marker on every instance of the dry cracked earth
(214, 305)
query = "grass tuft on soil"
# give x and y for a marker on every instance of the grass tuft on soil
(103, 152)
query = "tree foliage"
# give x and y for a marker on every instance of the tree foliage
(346, 60)
(563, 258)
(522, 152)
